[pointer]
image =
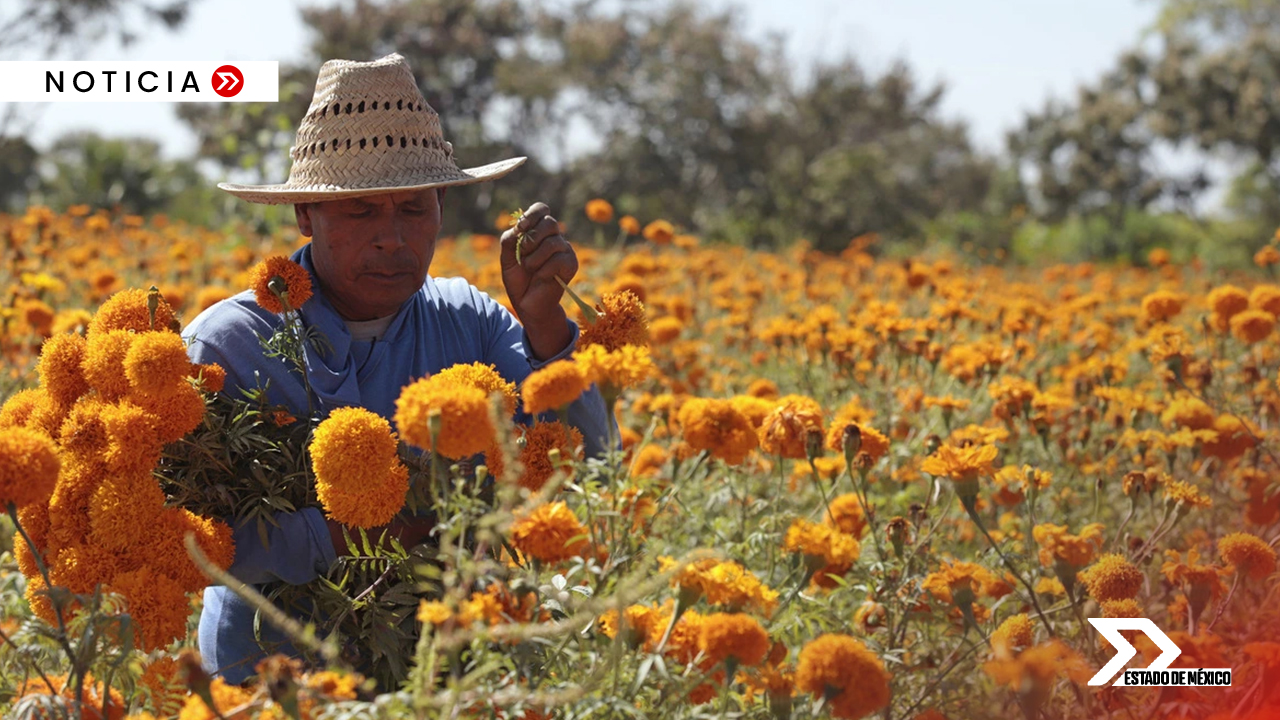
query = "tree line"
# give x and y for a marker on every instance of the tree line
(673, 111)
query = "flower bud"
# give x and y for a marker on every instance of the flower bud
(931, 444)
(813, 444)
(897, 531)
(851, 442)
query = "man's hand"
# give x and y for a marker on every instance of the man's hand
(531, 283)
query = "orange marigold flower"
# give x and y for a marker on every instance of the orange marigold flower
(959, 465)
(104, 363)
(869, 616)
(123, 504)
(296, 279)
(649, 461)
(599, 211)
(625, 367)
(549, 533)
(359, 479)
(434, 612)
(157, 604)
(1228, 301)
(722, 583)
(1266, 297)
(1252, 326)
(1186, 495)
(465, 426)
(1189, 412)
(870, 441)
(620, 320)
(755, 408)
(736, 638)
(1032, 672)
(93, 700)
(659, 232)
(535, 456)
(1265, 653)
(1112, 577)
(212, 376)
(843, 670)
(1074, 550)
(60, 371)
(1121, 608)
(133, 438)
(846, 515)
(554, 386)
(209, 296)
(162, 683)
(959, 577)
(629, 225)
(1266, 256)
(1161, 306)
(225, 697)
(641, 625)
(127, 310)
(17, 410)
(82, 566)
(712, 424)
(29, 466)
(1250, 554)
(157, 364)
(167, 554)
(1232, 438)
(1014, 632)
(665, 329)
(832, 547)
(39, 315)
(486, 378)
(786, 429)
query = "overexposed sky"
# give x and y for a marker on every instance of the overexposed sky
(999, 58)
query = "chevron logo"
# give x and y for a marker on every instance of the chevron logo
(228, 80)
(1110, 629)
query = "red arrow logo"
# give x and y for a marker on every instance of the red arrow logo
(227, 81)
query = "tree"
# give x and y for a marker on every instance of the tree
(46, 27)
(693, 121)
(129, 174)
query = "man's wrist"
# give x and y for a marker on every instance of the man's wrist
(549, 335)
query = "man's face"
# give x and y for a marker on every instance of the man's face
(372, 253)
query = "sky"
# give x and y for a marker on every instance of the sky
(998, 58)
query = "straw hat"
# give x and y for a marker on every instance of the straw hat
(368, 131)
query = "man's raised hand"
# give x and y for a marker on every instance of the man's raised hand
(531, 280)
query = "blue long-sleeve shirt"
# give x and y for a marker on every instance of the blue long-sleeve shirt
(445, 323)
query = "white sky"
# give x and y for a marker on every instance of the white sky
(999, 58)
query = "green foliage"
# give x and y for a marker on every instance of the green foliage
(1221, 243)
(128, 174)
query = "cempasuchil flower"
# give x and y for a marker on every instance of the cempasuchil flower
(549, 533)
(466, 428)
(841, 669)
(360, 481)
(620, 320)
(714, 425)
(29, 466)
(554, 386)
(279, 277)
(127, 310)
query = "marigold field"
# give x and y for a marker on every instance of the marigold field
(847, 486)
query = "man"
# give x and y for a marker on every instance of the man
(368, 180)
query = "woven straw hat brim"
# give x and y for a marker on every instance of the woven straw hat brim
(288, 194)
